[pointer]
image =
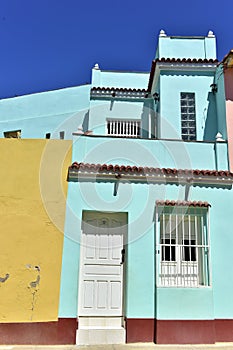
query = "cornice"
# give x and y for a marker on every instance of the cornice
(123, 173)
(118, 93)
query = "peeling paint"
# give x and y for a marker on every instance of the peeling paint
(34, 284)
(36, 267)
(3, 279)
(34, 287)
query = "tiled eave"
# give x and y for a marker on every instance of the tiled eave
(104, 172)
(172, 203)
(118, 93)
(182, 64)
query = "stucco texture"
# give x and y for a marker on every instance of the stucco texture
(31, 235)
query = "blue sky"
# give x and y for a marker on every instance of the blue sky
(51, 44)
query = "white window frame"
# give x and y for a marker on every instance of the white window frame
(123, 127)
(180, 264)
(188, 116)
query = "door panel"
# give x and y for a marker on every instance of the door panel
(101, 271)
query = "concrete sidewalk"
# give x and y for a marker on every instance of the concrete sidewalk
(138, 346)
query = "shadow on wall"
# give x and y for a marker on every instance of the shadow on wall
(148, 120)
(85, 124)
(210, 123)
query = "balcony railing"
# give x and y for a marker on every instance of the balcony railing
(126, 128)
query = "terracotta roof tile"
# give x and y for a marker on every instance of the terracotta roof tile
(98, 88)
(186, 60)
(147, 170)
(182, 203)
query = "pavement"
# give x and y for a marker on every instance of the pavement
(137, 346)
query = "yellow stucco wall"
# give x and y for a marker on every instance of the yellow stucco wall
(32, 211)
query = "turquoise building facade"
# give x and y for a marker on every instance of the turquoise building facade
(147, 237)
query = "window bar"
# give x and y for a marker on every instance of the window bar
(176, 247)
(163, 242)
(189, 249)
(196, 255)
(114, 128)
(208, 267)
(158, 247)
(183, 252)
(118, 127)
(203, 269)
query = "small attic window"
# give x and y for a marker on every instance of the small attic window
(13, 134)
(62, 135)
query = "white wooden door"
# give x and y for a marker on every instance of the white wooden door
(101, 269)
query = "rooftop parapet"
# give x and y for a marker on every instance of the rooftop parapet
(189, 47)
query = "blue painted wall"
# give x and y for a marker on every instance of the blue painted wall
(143, 299)
(135, 80)
(46, 112)
(100, 111)
(186, 47)
(154, 153)
(221, 102)
(171, 85)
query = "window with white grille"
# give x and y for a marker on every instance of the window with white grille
(183, 247)
(124, 127)
(188, 116)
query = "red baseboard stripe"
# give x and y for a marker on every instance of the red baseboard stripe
(62, 331)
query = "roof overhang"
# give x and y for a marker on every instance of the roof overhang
(192, 65)
(112, 173)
